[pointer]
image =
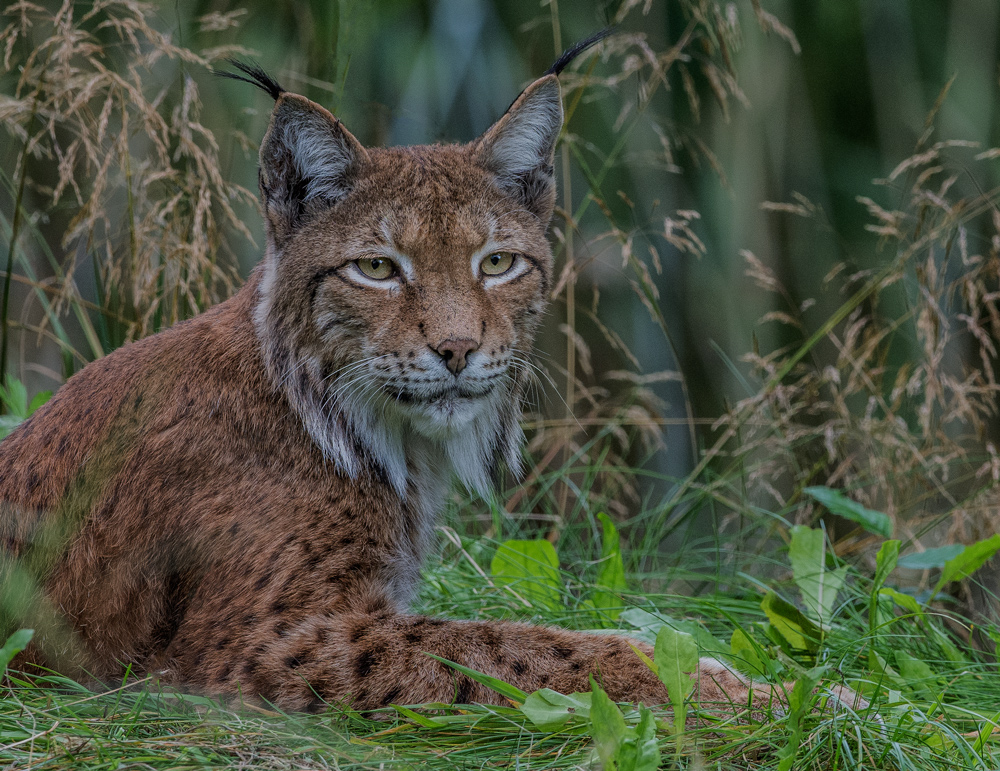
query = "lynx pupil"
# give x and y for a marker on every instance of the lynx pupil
(497, 263)
(375, 267)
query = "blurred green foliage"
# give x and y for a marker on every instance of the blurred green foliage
(818, 115)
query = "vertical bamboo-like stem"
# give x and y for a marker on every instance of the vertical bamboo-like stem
(570, 287)
(567, 194)
(15, 230)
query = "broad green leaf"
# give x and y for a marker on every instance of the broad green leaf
(838, 503)
(530, 568)
(640, 750)
(885, 562)
(15, 397)
(905, 601)
(799, 701)
(819, 586)
(966, 563)
(513, 693)
(611, 574)
(791, 624)
(550, 710)
(745, 655)
(931, 558)
(16, 643)
(607, 726)
(40, 398)
(649, 625)
(918, 676)
(676, 657)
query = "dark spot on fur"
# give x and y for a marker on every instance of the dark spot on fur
(357, 633)
(223, 674)
(63, 445)
(576, 666)
(392, 696)
(281, 629)
(464, 693)
(278, 607)
(315, 706)
(489, 637)
(413, 638)
(292, 662)
(176, 594)
(261, 582)
(519, 667)
(363, 663)
(234, 528)
(313, 562)
(32, 481)
(562, 651)
(224, 642)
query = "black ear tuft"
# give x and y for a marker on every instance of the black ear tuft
(574, 51)
(257, 77)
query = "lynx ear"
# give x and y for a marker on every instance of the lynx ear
(308, 161)
(519, 148)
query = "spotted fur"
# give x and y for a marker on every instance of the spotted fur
(242, 503)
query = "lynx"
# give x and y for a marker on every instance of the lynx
(241, 503)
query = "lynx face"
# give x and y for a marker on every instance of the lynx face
(403, 287)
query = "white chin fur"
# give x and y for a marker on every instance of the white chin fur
(443, 419)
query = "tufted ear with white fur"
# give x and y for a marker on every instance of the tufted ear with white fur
(520, 147)
(308, 161)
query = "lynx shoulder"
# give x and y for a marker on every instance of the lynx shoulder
(242, 502)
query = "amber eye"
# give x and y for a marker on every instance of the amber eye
(377, 268)
(497, 263)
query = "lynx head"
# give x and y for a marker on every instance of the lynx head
(402, 286)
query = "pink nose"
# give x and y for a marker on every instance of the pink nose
(454, 352)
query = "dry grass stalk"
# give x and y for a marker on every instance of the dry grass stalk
(130, 175)
(618, 421)
(897, 403)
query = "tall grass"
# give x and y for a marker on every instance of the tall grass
(115, 182)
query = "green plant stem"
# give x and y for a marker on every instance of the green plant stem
(14, 231)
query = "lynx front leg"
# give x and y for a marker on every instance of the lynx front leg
(371, 661)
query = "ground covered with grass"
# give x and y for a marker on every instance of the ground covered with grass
(935, 699)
